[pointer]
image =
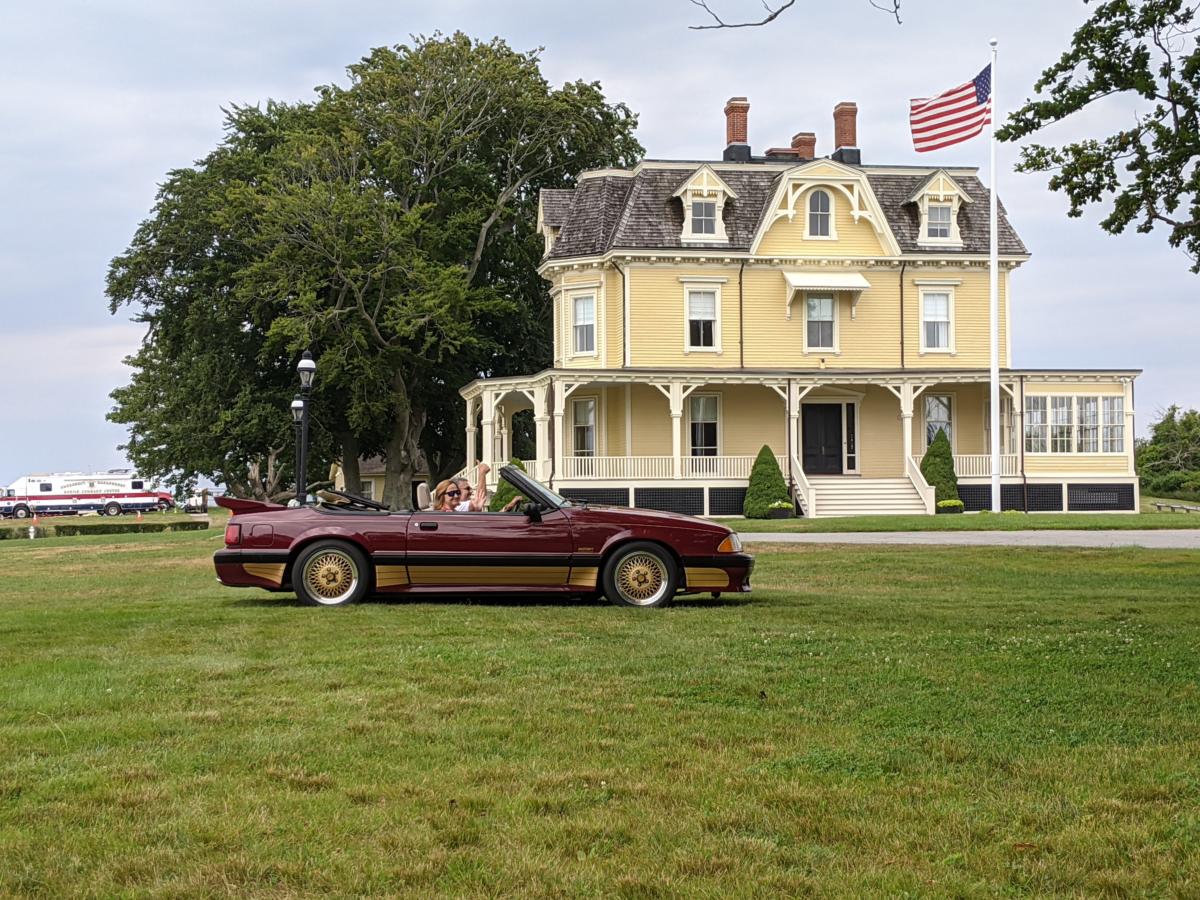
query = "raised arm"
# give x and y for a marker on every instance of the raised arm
(479, 496)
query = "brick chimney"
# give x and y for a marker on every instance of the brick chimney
(805, 144)
(845, 134)
(737, 129)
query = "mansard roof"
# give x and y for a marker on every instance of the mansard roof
(638, 209)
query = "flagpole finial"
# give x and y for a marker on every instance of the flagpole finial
(992, 43)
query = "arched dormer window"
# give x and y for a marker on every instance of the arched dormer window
(820, 214)
(704, 195)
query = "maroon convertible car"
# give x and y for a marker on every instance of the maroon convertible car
(332, 554)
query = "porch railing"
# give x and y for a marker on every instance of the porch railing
(979, 465)
(616, 467)
(924, 489)
(722, 466)
(803, 489)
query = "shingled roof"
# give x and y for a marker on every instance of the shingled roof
(638, 211)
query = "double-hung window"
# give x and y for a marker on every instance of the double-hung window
(704, 217)
(938, 221)
(704, 424)
(935, 320)
(819, 214)
(585, 324)
(1087, 415)
(819, 313)
(1061, 425)
(938, 417)
(1037, 427)
(584, 417)
(702, 319)
(1113, 439)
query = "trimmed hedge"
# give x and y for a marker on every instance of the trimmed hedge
(938, 468)
(505, 491)
(68, 529)
(766, 486)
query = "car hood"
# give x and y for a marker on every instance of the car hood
(615, 514)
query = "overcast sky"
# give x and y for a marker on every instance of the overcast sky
(100, 100)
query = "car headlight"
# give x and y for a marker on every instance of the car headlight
(731, 544)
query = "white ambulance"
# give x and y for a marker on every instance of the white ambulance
(110, 493)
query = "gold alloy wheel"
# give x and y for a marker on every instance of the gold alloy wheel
(641, 578)
(330, 576)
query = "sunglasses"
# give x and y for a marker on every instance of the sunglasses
(453, 493)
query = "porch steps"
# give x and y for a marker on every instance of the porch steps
(851, 496)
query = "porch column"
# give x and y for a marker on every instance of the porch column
(558, 404)
(472, 411)
(675, 398)
(489, 442)
(541, 431)
(906, 414)
(505, 453)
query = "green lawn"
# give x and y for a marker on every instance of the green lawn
(884, 721)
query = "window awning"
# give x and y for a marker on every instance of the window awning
(825, 281)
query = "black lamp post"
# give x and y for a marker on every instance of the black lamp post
(307, 370)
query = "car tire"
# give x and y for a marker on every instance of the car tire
(331, 573)
(112, 508)
(21, 512)
(163, 506)
(640, 574)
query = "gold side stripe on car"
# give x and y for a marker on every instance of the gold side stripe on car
(390, 576)
(491, 575)
(269, 571)
(584, 576)
(706, 578)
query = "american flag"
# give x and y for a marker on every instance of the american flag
(953, 116)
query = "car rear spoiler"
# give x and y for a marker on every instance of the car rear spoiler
(238, 506)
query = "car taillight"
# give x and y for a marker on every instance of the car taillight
(233, 535)
(731, 544)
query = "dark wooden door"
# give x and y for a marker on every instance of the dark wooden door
(821, 424)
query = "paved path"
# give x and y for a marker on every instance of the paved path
(1170, 539)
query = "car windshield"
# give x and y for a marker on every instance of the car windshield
(534, 489)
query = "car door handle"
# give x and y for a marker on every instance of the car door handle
(427, 526)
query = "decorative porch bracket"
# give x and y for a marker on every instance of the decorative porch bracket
(676, 392)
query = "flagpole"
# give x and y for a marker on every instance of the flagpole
(993, 267)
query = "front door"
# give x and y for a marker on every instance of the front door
(821, 424)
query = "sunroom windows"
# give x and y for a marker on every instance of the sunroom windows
(1074, 424)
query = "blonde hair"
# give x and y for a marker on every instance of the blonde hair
(439, 494)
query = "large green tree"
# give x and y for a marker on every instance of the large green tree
(388, 227)
(1149, 170)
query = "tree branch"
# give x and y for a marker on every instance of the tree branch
(891, 7)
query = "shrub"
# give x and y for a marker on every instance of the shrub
(766, 486)
(505, 491)
(938, 468)
(950, 506)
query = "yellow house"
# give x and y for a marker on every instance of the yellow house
(832, 310)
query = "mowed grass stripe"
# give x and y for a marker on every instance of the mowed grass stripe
(872, 720)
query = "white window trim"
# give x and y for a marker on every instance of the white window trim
(571, 296)
(832, 236)
(598, 400)
(687, 450)
(930, 288)
(1074, 443)
(701, 283)
(836, 349)
(955, 238)
(953, 396)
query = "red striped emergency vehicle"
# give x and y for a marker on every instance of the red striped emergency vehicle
(110, 493)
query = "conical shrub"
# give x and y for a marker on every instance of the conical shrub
(766, 486)
(938, 467)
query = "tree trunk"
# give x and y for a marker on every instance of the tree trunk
(351, 449)
(402, 449)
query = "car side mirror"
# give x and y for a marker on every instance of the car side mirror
(533, 511)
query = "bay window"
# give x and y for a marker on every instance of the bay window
(1069, 424)
(585, 324)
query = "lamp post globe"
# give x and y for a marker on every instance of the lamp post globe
(298, 405)
(307, 368)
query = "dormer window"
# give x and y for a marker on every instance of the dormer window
(819, 214)
(938, 221)
(704, 217)
(939, 199)
(704, 195)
